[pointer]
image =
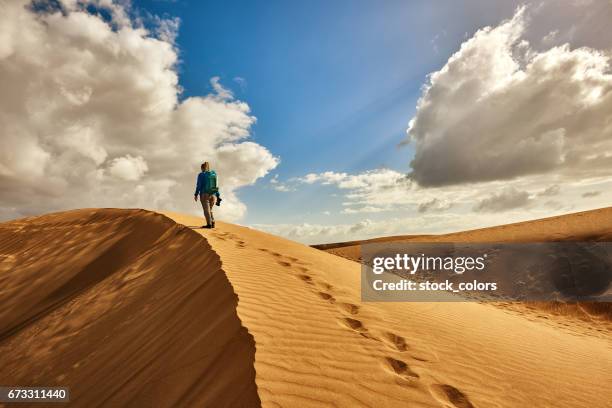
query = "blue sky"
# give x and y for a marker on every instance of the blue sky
(333, 84)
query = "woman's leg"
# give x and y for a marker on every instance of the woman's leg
(205, 200)
(211, 202)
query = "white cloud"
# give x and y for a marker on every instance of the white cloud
(550, 37)
(400, 206)
(95, 119)
(364, 209)
(167, 28)
(311, 233)
(316, 233)
(377, 179)
(381, 190)
(222, 93)
(507, 199)
(500, 109)
(435, 204)
(128, 167)
(282, 188)
(278, 186)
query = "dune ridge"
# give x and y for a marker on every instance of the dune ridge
(125, 307)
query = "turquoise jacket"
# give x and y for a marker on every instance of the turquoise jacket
(201, 182)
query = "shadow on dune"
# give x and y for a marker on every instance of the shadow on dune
(124, 307)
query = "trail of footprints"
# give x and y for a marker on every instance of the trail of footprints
(225, 236)
(446, 394)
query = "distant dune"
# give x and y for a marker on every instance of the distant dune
(155, 323)
(594, 225)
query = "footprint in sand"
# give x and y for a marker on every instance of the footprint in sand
(401, 368)
(325, 285)
(398, 343)
(287, 262)
(395, 341)
(327, 297)
(449, 396)
(306, 279)
(354, 324)
(357, 326)
(349, 307)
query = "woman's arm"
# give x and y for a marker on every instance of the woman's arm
(198, 189)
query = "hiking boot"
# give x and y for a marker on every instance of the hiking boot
(212, 225)
(208, 226)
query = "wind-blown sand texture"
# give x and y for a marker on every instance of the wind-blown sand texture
(158, 325)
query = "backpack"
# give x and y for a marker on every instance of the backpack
(210, 183)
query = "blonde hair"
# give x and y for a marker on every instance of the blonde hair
(205, 166)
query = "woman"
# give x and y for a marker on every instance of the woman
(206, 188)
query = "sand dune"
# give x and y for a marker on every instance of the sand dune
(124, 307)
(594, 225)
(317, 344)
(155, 323)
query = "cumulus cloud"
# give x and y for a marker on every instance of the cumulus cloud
(507, 199)
(501, 109)
(370, 191)
(371, 180)
(91, 115)
(128, 167)
(383, 190)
